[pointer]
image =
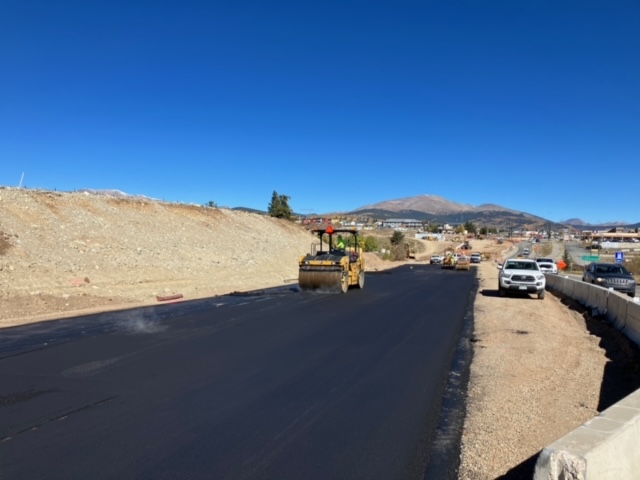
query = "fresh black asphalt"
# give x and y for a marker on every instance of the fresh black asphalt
(278, 384)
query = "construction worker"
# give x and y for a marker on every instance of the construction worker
(340, 244)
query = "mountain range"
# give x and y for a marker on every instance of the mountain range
(434, 208)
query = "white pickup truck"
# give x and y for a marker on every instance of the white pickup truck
(521, 275)
(547, 265)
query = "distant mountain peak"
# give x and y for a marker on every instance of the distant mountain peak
(431, 204)
(577, 222)
(434, 208)
(574, 221)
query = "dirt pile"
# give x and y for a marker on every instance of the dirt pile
(68, 252)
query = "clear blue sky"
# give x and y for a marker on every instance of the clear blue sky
(532, 105)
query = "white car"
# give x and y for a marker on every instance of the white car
(547, 265)
(521, 275)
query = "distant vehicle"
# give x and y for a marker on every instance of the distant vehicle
(476, 258)
(463, 263)
(521, 275)
(526, 251)
(610, 275)
(436, 259)
(547, 265)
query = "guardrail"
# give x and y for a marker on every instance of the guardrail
(606, 446)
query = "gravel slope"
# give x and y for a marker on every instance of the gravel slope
(63, 253)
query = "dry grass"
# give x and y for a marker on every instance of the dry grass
(633, 264)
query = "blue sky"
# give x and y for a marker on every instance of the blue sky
(532, 105)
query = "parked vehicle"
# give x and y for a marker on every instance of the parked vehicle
(521, 275)
(547, 265)
(610, 275)
(463, 263)
(476, 258)
(436, 259)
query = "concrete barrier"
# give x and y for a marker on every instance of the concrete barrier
(568, 286)
(580, 292)
(597, 299)
(632, 324)
(563, 285)
(604, 448)
(552, 281)
(617, 311)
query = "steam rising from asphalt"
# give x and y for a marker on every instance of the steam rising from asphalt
(138, 322)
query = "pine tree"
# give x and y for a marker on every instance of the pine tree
(397, 238)
(279, 206)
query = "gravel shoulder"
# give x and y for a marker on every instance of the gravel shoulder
(540, 369)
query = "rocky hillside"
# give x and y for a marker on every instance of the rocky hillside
(68, 252)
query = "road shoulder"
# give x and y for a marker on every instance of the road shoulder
(536, 375)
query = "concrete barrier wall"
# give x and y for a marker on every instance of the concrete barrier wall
(606, 447)
(553, 281)
(561, 284)
(597, 299)
(580, 292)
(569, 286)
(632, 325)
(617, 311)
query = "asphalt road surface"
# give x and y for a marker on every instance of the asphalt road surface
(280, 385)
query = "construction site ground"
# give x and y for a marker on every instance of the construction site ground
(540, 367)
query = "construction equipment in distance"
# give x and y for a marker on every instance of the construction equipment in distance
(329, 268)
(463, 263)
(409, 251)
(449, 260)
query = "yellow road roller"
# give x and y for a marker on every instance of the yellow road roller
(335, 264)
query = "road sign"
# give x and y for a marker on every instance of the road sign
(619, 257)
(590, 258)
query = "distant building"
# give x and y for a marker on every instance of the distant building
(406, 223)
(617, 234)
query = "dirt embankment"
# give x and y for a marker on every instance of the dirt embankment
(63, 253)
